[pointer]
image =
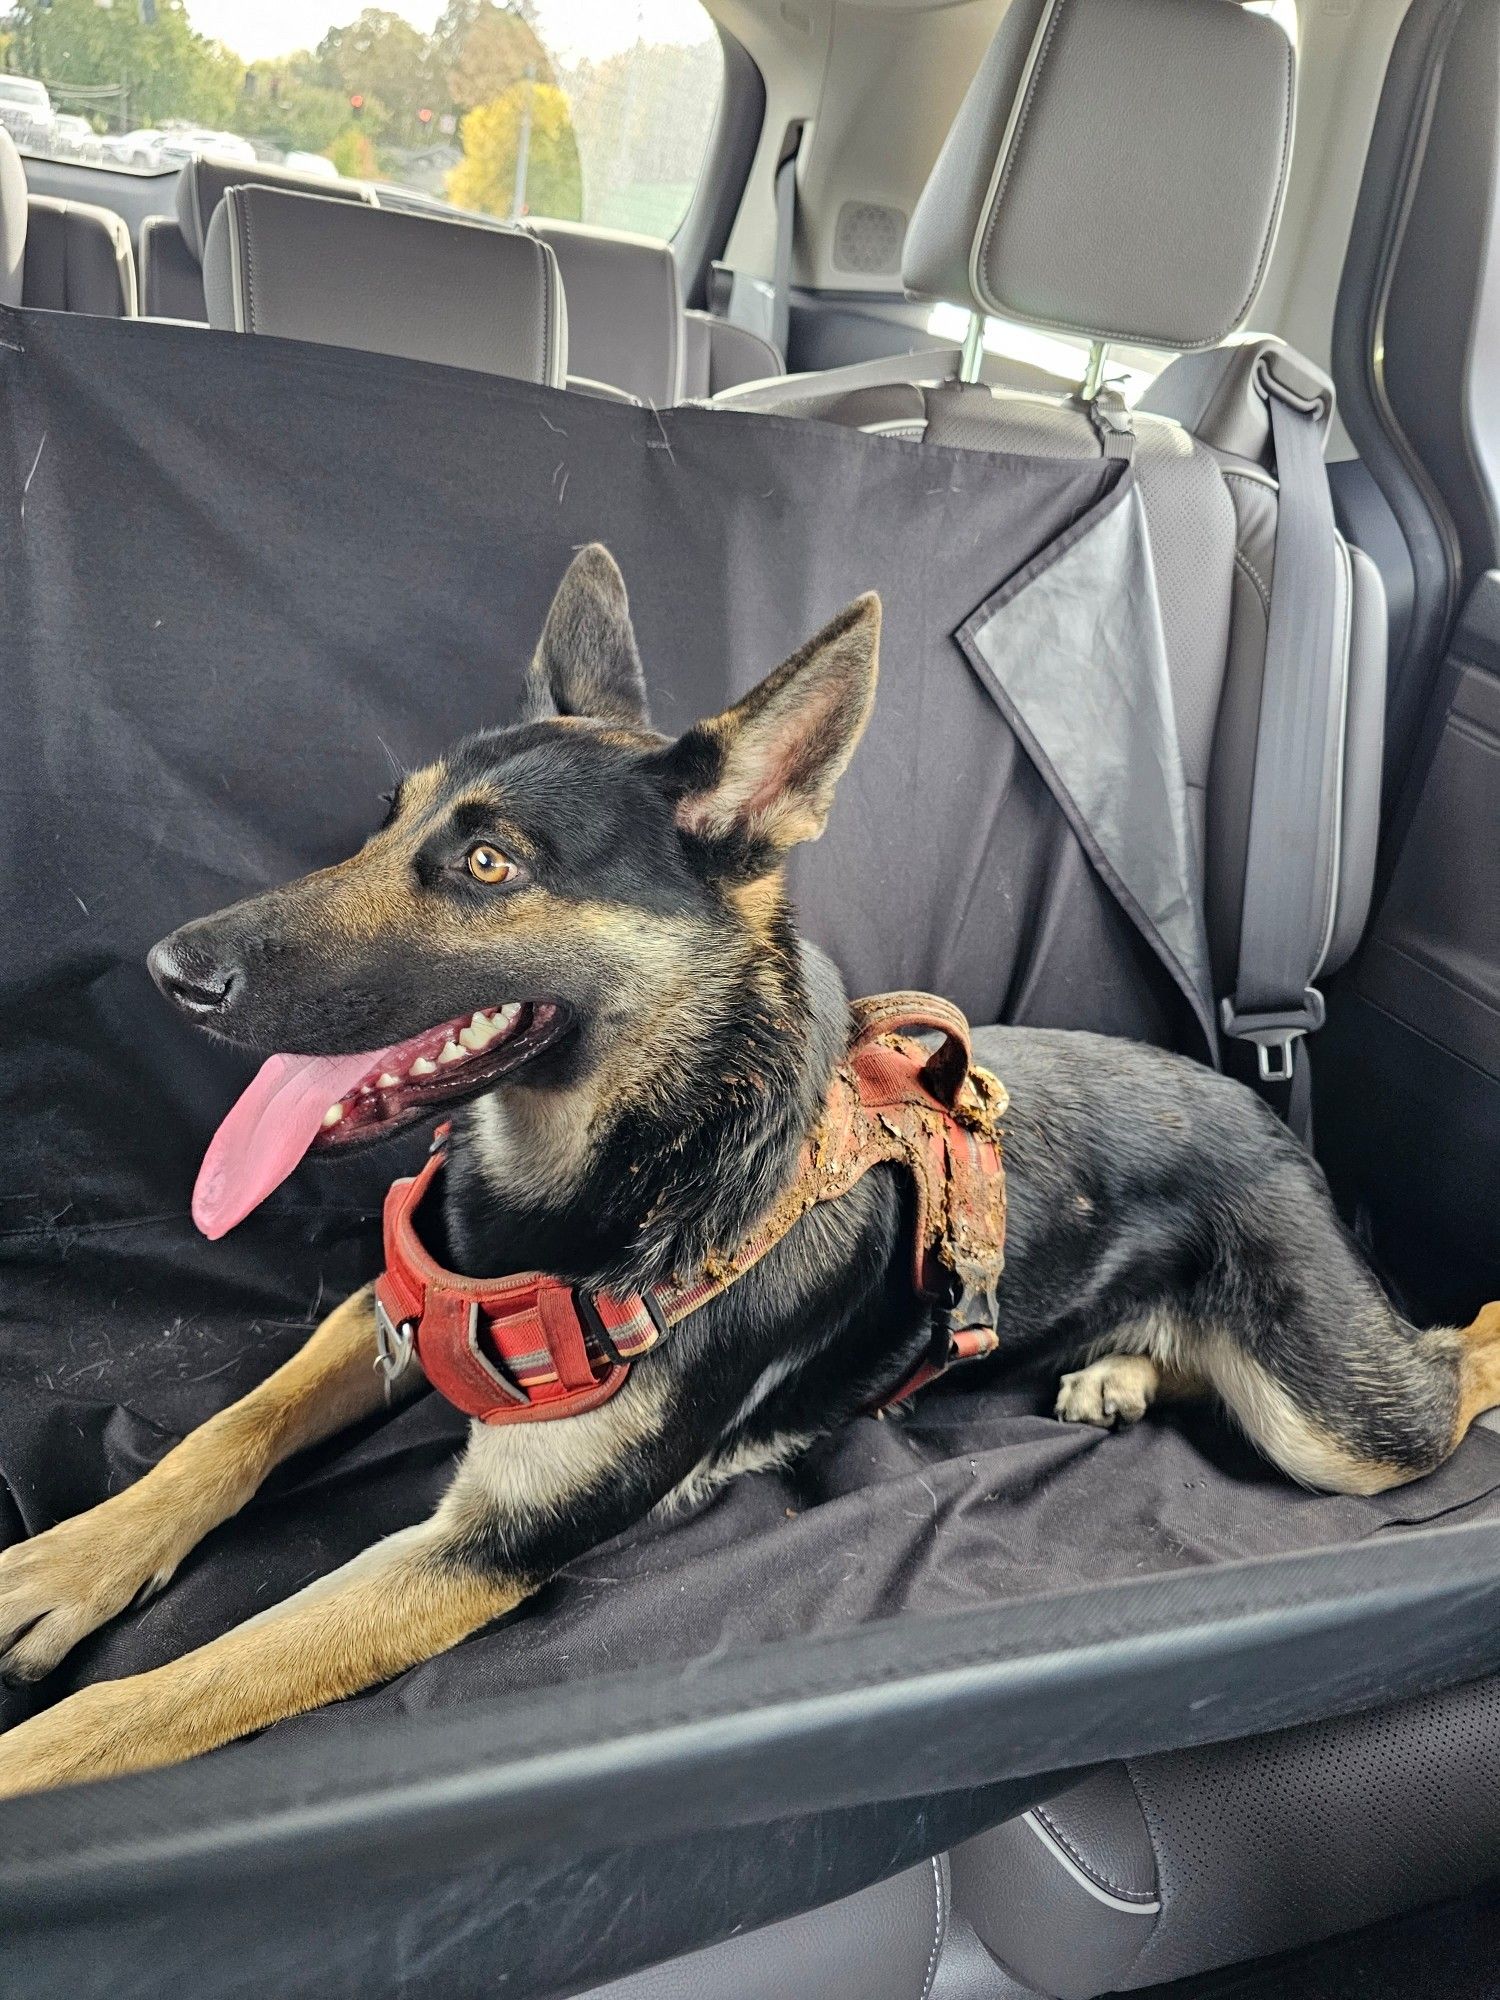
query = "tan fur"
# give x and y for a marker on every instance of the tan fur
(1189, 1359)
(518, 1472)
(1478, 1368)
(391, 1608)
(79, 1574)
(1120, 1388)
(760, 903)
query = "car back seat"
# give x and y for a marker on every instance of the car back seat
(172, 249)
(305, 268)
(64, 256)
(627, 326)
(1116, 170)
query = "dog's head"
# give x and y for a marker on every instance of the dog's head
(545, 893)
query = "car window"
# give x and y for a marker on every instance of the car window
(595, 111)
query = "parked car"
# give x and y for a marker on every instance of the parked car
(26, 112)
(76, 138)
(137, 149)
(192, 141)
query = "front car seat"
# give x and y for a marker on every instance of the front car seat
(172, 246)
(63, 256)
(304, 268)
(1047, 206)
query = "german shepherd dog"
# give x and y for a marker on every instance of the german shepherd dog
(655, 1043)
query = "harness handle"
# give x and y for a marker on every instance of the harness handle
(888, 1013)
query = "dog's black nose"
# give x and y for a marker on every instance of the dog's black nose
(196, 982)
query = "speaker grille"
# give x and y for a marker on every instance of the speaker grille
(868, 237)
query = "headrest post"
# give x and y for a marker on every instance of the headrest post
(1093, 374)
(971, 361)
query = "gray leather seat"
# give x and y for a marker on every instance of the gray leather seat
(627, 326)
(717, 355)
(64, 256)
(1151, 1871)
(624, 309)
(304, 268)
(172, 249)
(1116, 170)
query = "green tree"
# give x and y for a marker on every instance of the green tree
(171, 70)
(491, 135)
(281, 101)
(353, 153)
(480, 50)
(385, 60)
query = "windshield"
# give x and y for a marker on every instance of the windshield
(595, 111)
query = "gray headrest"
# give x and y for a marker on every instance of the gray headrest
(1115, 170)
(624, 308)
(201, 185)
(12, 221)
(416, 285)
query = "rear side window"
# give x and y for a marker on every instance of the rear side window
(594, 111)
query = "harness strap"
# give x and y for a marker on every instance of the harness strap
(529, 1347)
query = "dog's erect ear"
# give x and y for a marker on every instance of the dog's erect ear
(759, 778)
(586, 661)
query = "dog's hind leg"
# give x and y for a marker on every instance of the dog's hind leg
(65, 1583)
(1353, 1400)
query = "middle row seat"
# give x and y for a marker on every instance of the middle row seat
(630, 332)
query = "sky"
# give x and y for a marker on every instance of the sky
(571, 28)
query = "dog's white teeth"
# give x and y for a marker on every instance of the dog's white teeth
(478, 1035)
(450, 1052)
(385, 1081)
(508, 1015)
(422, 1067)
(333, 1114)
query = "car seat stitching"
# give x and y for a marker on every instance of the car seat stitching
(1286, 156)
(937, 1928)
(243, 218)
(1094, 1874)
(1243, 563)
(1056, 325)
(1033, 82)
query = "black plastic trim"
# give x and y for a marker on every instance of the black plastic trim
(1393, 166)
(908, 1709)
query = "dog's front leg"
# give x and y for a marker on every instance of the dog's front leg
(399, 1603)
(61, 1585)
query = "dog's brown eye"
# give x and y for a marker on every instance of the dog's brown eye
(488, 864)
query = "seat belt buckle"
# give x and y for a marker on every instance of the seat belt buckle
(1275, 1036)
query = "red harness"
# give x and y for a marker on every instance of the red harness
(520, 1349)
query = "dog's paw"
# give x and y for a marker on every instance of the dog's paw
(1116, 1390)
(64, 1584)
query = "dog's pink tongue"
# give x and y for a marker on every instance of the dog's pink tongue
(267, 1132)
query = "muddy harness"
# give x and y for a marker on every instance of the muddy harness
(530, 1347)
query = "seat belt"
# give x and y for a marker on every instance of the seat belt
(786, 230)
(1284, 917)
(761, 308)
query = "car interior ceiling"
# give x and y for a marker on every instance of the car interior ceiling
(809, 332)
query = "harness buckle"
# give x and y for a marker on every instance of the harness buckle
(393, 1344)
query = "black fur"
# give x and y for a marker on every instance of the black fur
(1154, 1206)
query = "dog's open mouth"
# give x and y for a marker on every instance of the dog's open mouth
(437, 1068)
(331, 1103)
